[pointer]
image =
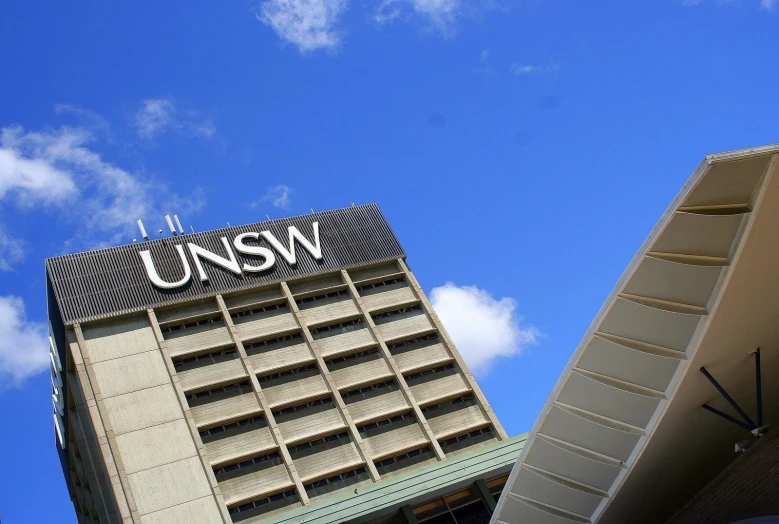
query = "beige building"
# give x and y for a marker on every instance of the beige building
(301, 378)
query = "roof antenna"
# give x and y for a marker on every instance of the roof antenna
(312, 210)
(228, 224)
(267, 216)
(160, 232)
(352, 203)
(193, 229)
(178, 224)
(143, 230)
(170, 225)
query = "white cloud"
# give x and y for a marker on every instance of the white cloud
(278, 196)
(482, 328)
(57, 168)
(768, 5)
(24, 345)
(11, 250)
(530, 69)
(441, 15)
(159, 115)
(307, 24)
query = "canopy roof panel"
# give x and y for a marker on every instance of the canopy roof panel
(623, 436)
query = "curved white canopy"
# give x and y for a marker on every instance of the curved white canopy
(623, 437)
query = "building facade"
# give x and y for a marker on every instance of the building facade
(265, 372)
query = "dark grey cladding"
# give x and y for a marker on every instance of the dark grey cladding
(106, 282)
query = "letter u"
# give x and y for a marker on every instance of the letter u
(155, 278)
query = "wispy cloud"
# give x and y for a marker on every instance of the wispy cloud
(307, 24)
(521, 69)
(440, 15)
(484, 67)
(159, 115)
(768, 5)
(483, 329)
(24, 345)
(11, 250)
(278, 196)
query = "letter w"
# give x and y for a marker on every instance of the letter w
(314, 249)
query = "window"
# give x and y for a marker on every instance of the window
(424, 451)
(323, 296)
(387, 424)
(429, 371)
(189, 325)
(460, 507)
(353, 356)
(367, 389)
(258, 310)
(432, 337)
(383, 283)
(327, 401)
(337, 329)
(475, 434)
(318, 442)
(247, 506)
(261, 344)
(388, 316)
(287, 373)
(335, 482)
(245, 463)
(239, 387)
(259, 419)
(446, 403)
(183, 364)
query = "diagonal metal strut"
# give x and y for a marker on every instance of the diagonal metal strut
(748, 422)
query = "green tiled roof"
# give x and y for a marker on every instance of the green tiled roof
(396, 491)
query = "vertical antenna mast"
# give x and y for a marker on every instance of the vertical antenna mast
(143, 230)
(178, 224)
(170, 225)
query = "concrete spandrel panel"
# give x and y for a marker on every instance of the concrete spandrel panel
(236, 407)
(521, 512)
(254, 484)
(144, 408)
(390, 268)
(251, 329)
(295, 390)
(650, 370)
(554, 492)
(420, 357)
(454, 422)
(201, 511)
(375, 407)
(385, 444)
(647, 324)
(285, 357)
(229, 371)
(199, 339)
(728, 182)
(319, 464)
(155, 446)
(674, 282)
(439, 386)
(562, 461)
(387, 299)
(132, 373)
(344, 342)
(300, 425)
(608, 401)
(358, 374)
(169, 485)
(242, 445)
(404, 327)
(703, 235)
(329, 312)
(121, 338)
(564, 425)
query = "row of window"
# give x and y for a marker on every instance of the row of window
(287, 373)
(353, 356)
(429, 371)
(193, 324)
(304, 406)
(366, 389)
(263, 343)
(227, 468)
(466, 436)
(334, 327)
(401, 458)
(383, 283)
(323, 296)
(335, 478)
(207, 358)
(238, 423)
(432, 337)
(261, 502)
(445, 403)
(319, 441)
(386, 421)
(257, 310)
(395, 312)
(242, 387)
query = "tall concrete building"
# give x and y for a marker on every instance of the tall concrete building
(285, 371)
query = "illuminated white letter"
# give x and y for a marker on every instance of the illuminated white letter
(289, 255)
(151, 271)
(230, 264)
(263, 252)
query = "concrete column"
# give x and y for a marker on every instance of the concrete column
(431, 315)
(361, 446)
(439, 453)
(274, 428)
(201, 451)
(105, 436)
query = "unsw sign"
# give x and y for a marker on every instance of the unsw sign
(231, 263)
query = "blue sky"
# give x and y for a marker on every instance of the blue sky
(521, 150)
